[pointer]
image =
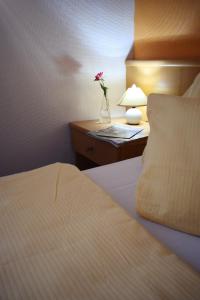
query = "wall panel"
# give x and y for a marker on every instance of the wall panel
(49, 54)
(167, 29)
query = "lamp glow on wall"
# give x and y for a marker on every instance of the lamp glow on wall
(133, 97)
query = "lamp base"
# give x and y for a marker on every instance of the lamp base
(133, 116)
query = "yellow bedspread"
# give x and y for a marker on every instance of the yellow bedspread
(62, 237)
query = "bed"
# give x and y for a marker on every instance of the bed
(119, 180)
(67, 234)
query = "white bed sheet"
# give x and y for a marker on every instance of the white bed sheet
(119, 180)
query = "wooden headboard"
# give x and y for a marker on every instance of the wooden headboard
(165, 77)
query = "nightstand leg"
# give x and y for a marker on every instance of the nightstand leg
(83, 163)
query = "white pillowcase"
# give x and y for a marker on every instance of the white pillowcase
(194, 89)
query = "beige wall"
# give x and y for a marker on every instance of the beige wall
(49, 53)
(167, 29)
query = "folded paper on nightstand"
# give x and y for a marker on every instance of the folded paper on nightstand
(118, 133)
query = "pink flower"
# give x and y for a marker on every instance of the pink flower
(99, 76)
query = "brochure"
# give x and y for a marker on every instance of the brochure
(118, 131)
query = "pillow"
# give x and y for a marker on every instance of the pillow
(168, 191)
(194, 89)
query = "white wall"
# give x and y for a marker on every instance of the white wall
(49, 54)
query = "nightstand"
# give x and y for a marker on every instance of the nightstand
(91, 151)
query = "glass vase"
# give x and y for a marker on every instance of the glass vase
(104, 114)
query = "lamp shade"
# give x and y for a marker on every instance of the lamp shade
(133, 97)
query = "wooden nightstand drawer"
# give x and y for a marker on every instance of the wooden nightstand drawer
(133, 149)
(98, 151)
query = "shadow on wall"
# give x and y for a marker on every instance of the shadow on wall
(67, 65)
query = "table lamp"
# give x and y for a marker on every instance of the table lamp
(133, 97)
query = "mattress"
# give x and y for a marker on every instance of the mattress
(119, 180)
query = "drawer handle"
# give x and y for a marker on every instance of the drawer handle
(90, 149)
